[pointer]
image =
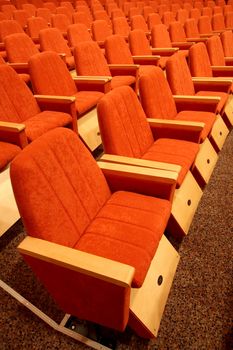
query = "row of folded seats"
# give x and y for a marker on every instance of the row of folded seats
(97, 231)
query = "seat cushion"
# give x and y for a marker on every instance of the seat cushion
(144, 69)
(7, 153)
(128, 229)
(86, 100)
(122, 80)
(196, 116)
(223, 95)
(173, 151)
(45, 121)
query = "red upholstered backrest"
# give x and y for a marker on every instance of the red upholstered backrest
(195, 13)
(117, 51)
(8, 27)
(204, 25)
(153, 19)
(218, 22)
(50, 76)
(198, 53)
(19, 47)
(227, 40)
(89, 59)
(138, 43)
(229, 19)
(78, 32)
(120, 26)
(16, 99)
(138, 22)
(168, 17)
(160, 36)
(66, 185)
(182, 15)
(123, 125)
(215, 51)
(52, 39)
(191, 28)
(60, 21)
(156, 96)
(176, 31)
(35, 24)
(100, 30)
(179, 76)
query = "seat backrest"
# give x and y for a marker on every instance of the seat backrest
(138, 22)
(90, 60)
(45, 68)
(207, 11)
(153, 19)
(8, 27)
(45, 13)
(120, 26)
(103, 16)
(17, 102)
(21, 17)
(191, 28)
(60, 21)
(138, 43)
(160, 36)
(117, 50)
(134, 11)
(168, 17)
(227, 40)
(51, 39)
(77, 33)
(218, 22)
(215, 51)
(198, 53)
(19, 47)
(58, 171)
(8, 10)
(204, 25)
(81, 17)
(34, 25)
(117, 13)
(7, 152)
(123, 125)
(30, 8)
(146, 11)
(100, 30)
(217, 9)
(182, 15)
(179, 76)
(229, 19)
(63, 10)
(195, 13)
(176, 31)
(156, 96)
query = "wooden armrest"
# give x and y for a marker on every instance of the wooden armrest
(176, 123)
(182, 44)
(2, 46)
(140, 162)
(222, 69)
(210, 80)
(197, 40)
(164, 51)
(12, 127)
(206, 35)
(88, 264)
(13, 132)
(147, 181)
(146, 57)
(18, 65)
(55, 99)
(228, 59)
(123, 66)
(92, 79)
(196, 103)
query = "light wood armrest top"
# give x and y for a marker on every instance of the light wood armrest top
(9, 126)
(92, 78)
(164, 49)
(76, 260)
(222, 68)
(146, 57)
(55, 98)
(18, 64)
(140, 162)
(172, 122)
(123, 66)
(190, 98)
(209, 80)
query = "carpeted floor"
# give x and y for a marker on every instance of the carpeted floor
(199, 311)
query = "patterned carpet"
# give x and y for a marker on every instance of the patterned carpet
(199, 311)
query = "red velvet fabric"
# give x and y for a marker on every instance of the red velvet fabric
(35, 24)
(45, 68)
(215, 51)
(58, 171)
(198, 53)
(138, 22)
(204, 25)
(138, 43)
(176, 31)
(77, 32)
(125, 131)
(7, 152)
(191, 28)
(160, 36)
(129, 226)
(8, 27)
(227, 40)
(19, 47)
(100, 29)
(51, 39)
(218, 22)
(121, 26)
(117, 51)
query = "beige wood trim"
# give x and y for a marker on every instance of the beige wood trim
(206, 160)
(176, 123)
(140, 162)
(148, 302)
(18, 65)
(219, 132)
(93, 79)
(197, 99)
(55, 98)
(124, 66)
(183, 43)
(185, 203)
(146, 57)
(206, 80)
(88, 129)
(222, 68)
(196, 40)
(88, 264)
(228, 110)
(164, 50)
(138, 172)
(9, 126)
